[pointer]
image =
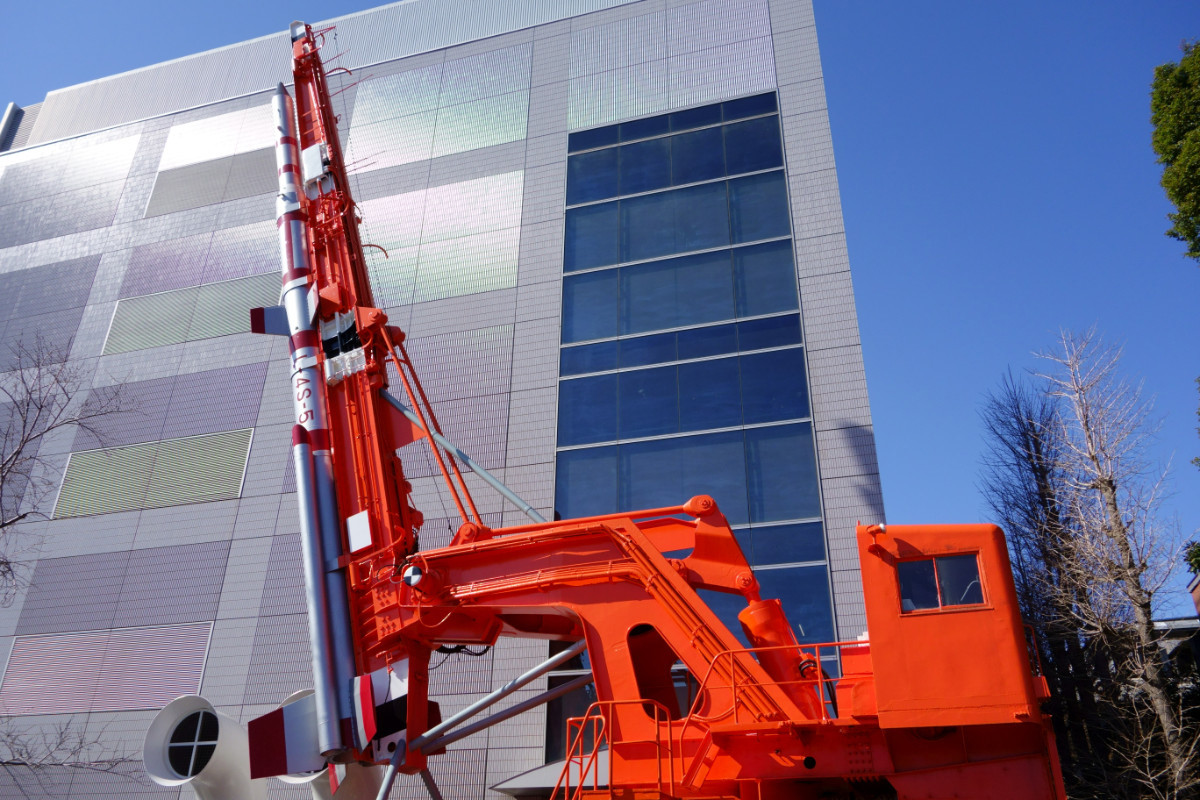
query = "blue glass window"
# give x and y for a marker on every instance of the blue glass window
(726, 606)
(782, 473)
(587, 410)
(756, 334)
(680, 291)
(588, 358)
(710, 341)
(765, 276)
(708, 395)
(749, 106)
(597, 137)
(649, 402)
(702, 217)
(590, 306)
(753, 145)
(697, 156)
(591, 237)
(783, 544)
(648, 226)
(592, 176)
(666, 472)
(641, 128)
(645, 165)
(773, 386)
(758, 207)
(645, 350)
(586, 483)
(804, 592)
(696, 117)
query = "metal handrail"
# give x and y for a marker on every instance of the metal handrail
(822, 685)
(599, 715)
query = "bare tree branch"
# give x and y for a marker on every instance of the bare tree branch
(1069, 476)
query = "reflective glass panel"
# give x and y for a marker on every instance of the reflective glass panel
(758, 207)
(587, 410)
(645, 165)
(726, 607)
(765, 276)
(649, 402)
(702, 217)
(586, 483)
(591, 237)
(786, 544)
(773, 386)
(592, 176)
(782, 473)
(647, 350)
(711, 341)
(597, 137)
(753, 145)
(755, 334)
(677, 292)
(749, 106)
(697, 156)
(708, 395)
(695, 117)
(804, 592)
(958, 577)
(918, 585)
(641, 128)
(647, 226)
(590, 306)
(661, 472)
(588, 358)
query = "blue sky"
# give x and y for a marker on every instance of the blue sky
(996, 179)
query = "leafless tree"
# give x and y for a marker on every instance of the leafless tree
(42, 397)
(37, 760)
(1069, 476)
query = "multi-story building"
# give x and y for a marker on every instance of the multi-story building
(612, 232)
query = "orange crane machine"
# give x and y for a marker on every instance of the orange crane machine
(942, 701)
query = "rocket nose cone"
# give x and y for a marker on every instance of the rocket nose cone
(279, 89)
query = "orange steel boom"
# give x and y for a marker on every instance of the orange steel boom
(942, 701)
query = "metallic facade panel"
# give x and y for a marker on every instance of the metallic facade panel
(481, 123)
(103, 481)
(217, 137)
(161, 266)
(155, 586)
(282, 593)
(172, 585)
(279, 661)
(159, 319)
(76, 593)
(601, 48)
(713, 23)
(382, 34)
(390, 142)
(489, 74)
(197, 312)
(214, 181)
(224, 308)
(402, 94)
(721, 72)
(467, 265)
(624, 93)
(155, 474)
(109, 670)
(198, 469)
(188, 187)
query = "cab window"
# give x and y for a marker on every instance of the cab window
(942, 582)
